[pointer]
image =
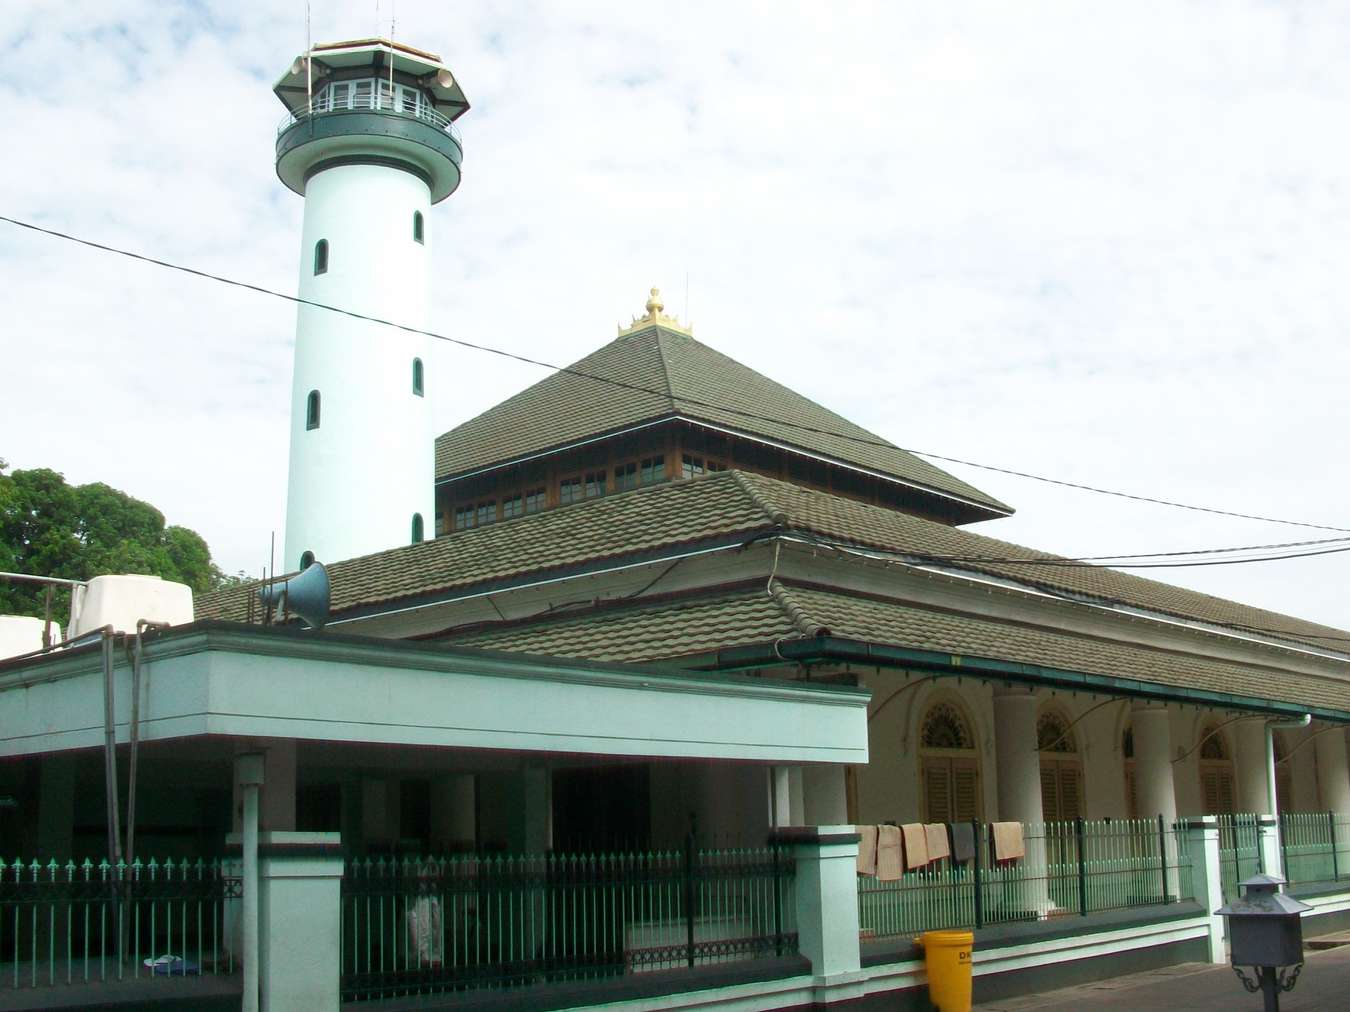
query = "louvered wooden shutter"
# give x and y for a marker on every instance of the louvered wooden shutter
(1070, 791)
(1050, 806)
(1131, 793)
(965, 790)
(1225, 779)
(1209, 789)
(937, 790)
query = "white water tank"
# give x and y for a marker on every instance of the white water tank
(20, 634)
(122, 601)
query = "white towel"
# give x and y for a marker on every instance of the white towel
(916, 845)
(890, 865)
(938, 847)
(867, 849)
(1008, 841)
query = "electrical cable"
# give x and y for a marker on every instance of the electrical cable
(637, 388)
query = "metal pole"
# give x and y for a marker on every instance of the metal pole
(1082, 867)
(110, 750)
(689, 895)
(1331, 828)
(979, 890)
(1270, 988)
(1162, 853)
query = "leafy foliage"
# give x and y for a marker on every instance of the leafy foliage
(50, 528)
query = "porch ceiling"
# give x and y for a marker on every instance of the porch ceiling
(219, 679)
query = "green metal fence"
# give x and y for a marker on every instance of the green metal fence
(428, 925)
(1239, 851)
(1076, 867)
(69, 923)
(1315, 846)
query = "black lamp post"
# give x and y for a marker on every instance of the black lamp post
(1265, 932)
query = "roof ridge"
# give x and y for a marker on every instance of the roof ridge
(794, 611)
(777, 517)
(665, 366)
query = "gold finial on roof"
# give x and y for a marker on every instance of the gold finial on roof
(656, 315)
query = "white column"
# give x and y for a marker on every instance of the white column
(1251, 766)
(824, 796)
(1019, 784)
(278, 797)
(1154, 786)
(1019, 762)
(1268, 840)
(300, 911)
(248, 775)
(1155, 789)
(780, 796)
(1202, 844)
(796, 798)
(827, 896)
(453, 800)
(1333, 781)
(1333, 784)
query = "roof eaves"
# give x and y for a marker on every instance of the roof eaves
(831, 648)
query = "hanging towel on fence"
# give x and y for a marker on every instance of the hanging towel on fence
(938, 847)
(1008, 841)
(890, 865)
(867, 849)
(963, 841)
(916, 845)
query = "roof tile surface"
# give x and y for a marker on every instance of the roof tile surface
(679, 376)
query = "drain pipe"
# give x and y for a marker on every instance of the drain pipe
(1271, 727)
(110, 748)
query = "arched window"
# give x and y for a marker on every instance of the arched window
(949, 768)
(1061, 768)
(312, 409)
(306, 560)
(417, 377)
(1216, 773)
(417, 528)
(419, 234)
(321, 257)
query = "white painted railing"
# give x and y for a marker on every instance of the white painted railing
(371, 101)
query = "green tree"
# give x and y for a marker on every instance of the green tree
(49, 528)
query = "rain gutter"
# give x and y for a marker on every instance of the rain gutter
(827, 649)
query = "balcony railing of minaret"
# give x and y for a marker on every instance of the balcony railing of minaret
(364, 95)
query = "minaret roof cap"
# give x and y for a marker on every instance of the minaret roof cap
(378, 54)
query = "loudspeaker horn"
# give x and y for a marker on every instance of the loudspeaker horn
(305, 595)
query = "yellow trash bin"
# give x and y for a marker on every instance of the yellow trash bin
(946, 954)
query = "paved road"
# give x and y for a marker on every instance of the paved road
(1324, 984)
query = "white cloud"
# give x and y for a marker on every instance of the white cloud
(1103, 244)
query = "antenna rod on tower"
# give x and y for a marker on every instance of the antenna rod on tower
(309, 60)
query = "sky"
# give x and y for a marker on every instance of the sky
(1103, 243)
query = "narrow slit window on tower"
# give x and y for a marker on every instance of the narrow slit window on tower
(418, 234)
(321, 257)
(417, 529)
(417, 377)
(312, 409)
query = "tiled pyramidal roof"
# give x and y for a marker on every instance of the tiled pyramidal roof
(677, 376)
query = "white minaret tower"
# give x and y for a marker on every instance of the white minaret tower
(369, 143)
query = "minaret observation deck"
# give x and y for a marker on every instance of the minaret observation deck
(370, 102)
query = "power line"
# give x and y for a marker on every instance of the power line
(637, 388)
